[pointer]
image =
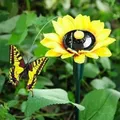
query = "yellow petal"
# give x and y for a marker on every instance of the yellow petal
(60, 49)
(79, 58)
(53, 37)
(103, 43)
(82, 22)
(47, 43)
(96, 27)
(108, 41)
(59, 20)
(103, 52)
(103, 35)
(91, 55)
(58, 28)
(52, 53)
(67, 55)
(68, 25)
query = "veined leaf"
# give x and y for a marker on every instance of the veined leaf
(8, 25)
(100, 105)
(103, 83)
(91, 70)
(43, 98)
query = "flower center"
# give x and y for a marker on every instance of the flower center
(86, 42)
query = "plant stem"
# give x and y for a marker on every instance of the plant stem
(78, 74)
(28, 5)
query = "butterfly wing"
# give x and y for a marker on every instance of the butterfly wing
(34, 69)
(18, 65)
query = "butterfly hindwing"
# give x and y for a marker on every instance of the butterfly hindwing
(18, 65)
(35, 68)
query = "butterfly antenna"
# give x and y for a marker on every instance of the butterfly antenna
(41, 30)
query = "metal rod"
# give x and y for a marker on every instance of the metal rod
(78, 74)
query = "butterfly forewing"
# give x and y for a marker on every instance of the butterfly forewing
(35, 68)
(18, 65)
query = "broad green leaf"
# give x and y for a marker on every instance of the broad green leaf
(42, 82)
(3, 112)
(4, 51)
(22, 91)
(112, 2)
(102, 7)
(49, 4)
(105, 62)
(67, 3)
(23, 106)
(12, 103)
(3, 15)
(100, 105)
(8, 25)
(20, 31)
(2, 81)
(91, 70)
(11, 117)
(45, 97)
(40, 50)
(103, 83)
(31, 17)
(76, 2)
(21, 24)
(5, 37)
(44, 24)
(40, 118)
(4, 115)
(17, 38)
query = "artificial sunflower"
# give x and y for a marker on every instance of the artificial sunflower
(78, 37)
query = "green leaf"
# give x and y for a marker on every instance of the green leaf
(17, 38)
(43, 81)
(2, 81)
(8, 25)
(112, 2)
(42, 98)
(21, 24)
(3, 112)
(4, 115)
(40, 50)
(44, 24)
(40, 118)
(91, 70)
(31, 17)
(76, 2)
(105, 62)
(20, 32)
(23, 106)
(4, 51)
(12, 103)
(100, 105)
(3, 15)
(101, 6)
(27, 118)
(103, 83)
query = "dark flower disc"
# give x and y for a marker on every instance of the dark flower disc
(86, 43)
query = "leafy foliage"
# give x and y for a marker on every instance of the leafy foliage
(47, 97)
(105, 106)
(23, 23)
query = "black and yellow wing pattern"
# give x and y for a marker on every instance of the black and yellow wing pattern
(19, 68)
(35, 68)
(18, 65)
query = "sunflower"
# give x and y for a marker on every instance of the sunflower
(79, 38)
